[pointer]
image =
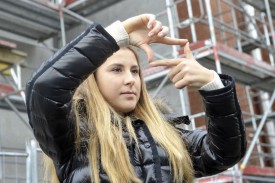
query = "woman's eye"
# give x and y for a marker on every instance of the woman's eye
(136, 71)
(116, 69)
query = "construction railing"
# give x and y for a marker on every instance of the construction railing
(22, 167)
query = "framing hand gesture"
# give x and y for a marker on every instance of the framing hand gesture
(186, 71)
(145, 29)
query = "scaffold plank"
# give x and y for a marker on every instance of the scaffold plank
(259, 171)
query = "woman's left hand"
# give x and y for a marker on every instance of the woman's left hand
(186, 71)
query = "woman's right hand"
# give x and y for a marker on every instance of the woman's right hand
(186, 71)
(145, 29)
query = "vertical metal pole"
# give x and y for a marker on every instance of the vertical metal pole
(269, 16)
(16, 169)
(260, 127)
(183, 93)
(14, 76)
(31, 162)
(250, 11)
(1, 159)
(28, 163)
(193, 124)
(236, 27)
(237, 173)
(267, 40)
(212, 34)
(221, 20)
(192, 25)
(253, 119)
(171, 26)
(19, 81)
(1, 169)
(4, 167)
(62, 25)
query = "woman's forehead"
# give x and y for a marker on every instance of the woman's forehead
(125, 51)
(123, 55)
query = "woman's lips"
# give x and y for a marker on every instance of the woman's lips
(128, 93)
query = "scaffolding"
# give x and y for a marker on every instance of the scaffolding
(238, 39)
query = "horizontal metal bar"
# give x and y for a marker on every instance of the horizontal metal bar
(75, 4)
(14, 154)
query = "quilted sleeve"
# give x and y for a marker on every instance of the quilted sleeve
(49, 92)
(224, 142)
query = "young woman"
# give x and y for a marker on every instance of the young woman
(91, 113)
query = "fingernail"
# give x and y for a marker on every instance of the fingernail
(149, 26)
(160, 34)
(187, 45)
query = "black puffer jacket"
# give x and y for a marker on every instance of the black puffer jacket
(49, 99)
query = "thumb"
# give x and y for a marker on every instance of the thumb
(188, 52)
(149, 52)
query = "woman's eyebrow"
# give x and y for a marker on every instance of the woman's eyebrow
(122, 65)
(116, 64)
(135, 66)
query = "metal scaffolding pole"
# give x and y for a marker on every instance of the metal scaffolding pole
(76, 3)
(31, 162)
(256, 136)
(62, 24)
(267, 40)
(269, 16)
(254, 124)
(87, 21)
(223, 36)
(233, 13)
(192, 25)
(212, 35)
(183, 92)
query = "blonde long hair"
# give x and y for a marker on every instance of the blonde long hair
(106, 144)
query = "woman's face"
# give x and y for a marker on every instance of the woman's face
(119, 82)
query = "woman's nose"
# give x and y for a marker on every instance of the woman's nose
(129, 79)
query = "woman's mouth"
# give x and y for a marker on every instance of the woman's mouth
(128, 93)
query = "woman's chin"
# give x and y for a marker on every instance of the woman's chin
(126, 110)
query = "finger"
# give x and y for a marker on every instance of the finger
(174, 75)
(156, 29)
(166, 62)
(172, 41)
(149, 52)
(188, 52)
(181, 84)
(151, 22)
(164, 31)
(177, 73)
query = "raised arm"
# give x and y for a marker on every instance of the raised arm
(49, 92)
(224, 142)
